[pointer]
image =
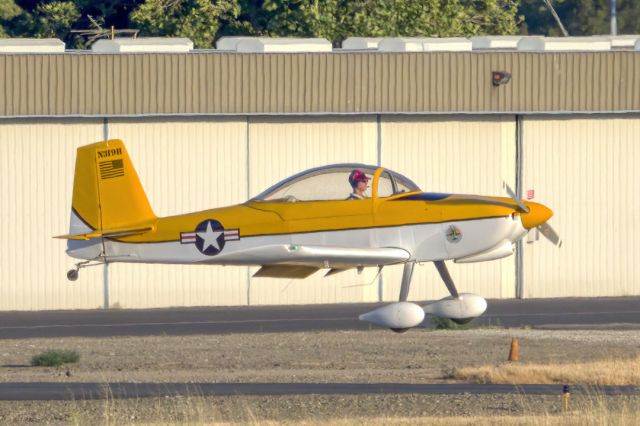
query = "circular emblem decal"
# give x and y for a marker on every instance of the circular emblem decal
(454, 234)
(210, 237)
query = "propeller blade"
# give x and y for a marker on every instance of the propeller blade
(518, 201)
(550, 234)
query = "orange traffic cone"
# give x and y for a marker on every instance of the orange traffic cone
(514, 353)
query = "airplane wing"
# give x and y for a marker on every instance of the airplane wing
(300, 261)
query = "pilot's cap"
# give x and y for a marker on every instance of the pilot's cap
(357, 176)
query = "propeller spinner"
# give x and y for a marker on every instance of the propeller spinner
(535, 215)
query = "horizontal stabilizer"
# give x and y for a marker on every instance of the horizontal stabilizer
(285, 271)
(106, 233)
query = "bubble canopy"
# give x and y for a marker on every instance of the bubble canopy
(331, 183)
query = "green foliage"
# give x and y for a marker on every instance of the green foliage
(339, 19)
(8, 11)
(55, 19)
(111, 12)
(206, 20)
(198, 20)
(439, 323)
(580, 17)
(52, 358)
(58, 14)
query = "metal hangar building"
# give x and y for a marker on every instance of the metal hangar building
(212, 128)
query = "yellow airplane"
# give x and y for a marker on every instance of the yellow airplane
(337, 217)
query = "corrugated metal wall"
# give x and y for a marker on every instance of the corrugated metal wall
(583, 167)
(36, 181)
(464, 155)
(195, 164)
(280, 147)
(318, 83)
(184, 165)
(586, 169)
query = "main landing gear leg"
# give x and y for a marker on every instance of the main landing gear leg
(444, 274)
(407, 274)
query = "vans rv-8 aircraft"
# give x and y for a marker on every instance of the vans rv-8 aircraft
(313, 220)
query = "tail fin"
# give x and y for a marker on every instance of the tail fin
(108, 198)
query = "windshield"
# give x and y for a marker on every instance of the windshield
(337, 182)
(392, 183)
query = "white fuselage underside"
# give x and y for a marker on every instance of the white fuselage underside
(421, 242)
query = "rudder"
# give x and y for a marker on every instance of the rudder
(107, 193)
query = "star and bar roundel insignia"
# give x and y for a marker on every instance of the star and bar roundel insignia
(209, 237)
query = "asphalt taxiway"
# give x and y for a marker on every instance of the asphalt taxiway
(566, 313)
(51, 391)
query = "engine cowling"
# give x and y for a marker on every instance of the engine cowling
(463, 309)
(500, 251)
(399, 316)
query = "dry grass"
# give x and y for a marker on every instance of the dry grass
(597, 373)
(624, 418)
(590, 410)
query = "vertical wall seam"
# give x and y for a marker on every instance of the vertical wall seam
(248, 166)
(379, 148)
(105, 274)
(519, 186)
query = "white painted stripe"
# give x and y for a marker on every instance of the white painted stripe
(187, 237)
(232, 235)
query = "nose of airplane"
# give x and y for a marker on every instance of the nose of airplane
(537, 215)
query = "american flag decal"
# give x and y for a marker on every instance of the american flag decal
(111, 169)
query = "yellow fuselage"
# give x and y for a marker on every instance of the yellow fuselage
(255, 218)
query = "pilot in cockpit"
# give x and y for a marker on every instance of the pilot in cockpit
(360, 183)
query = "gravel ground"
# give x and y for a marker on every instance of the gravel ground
(419, 356)
(318, 408)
